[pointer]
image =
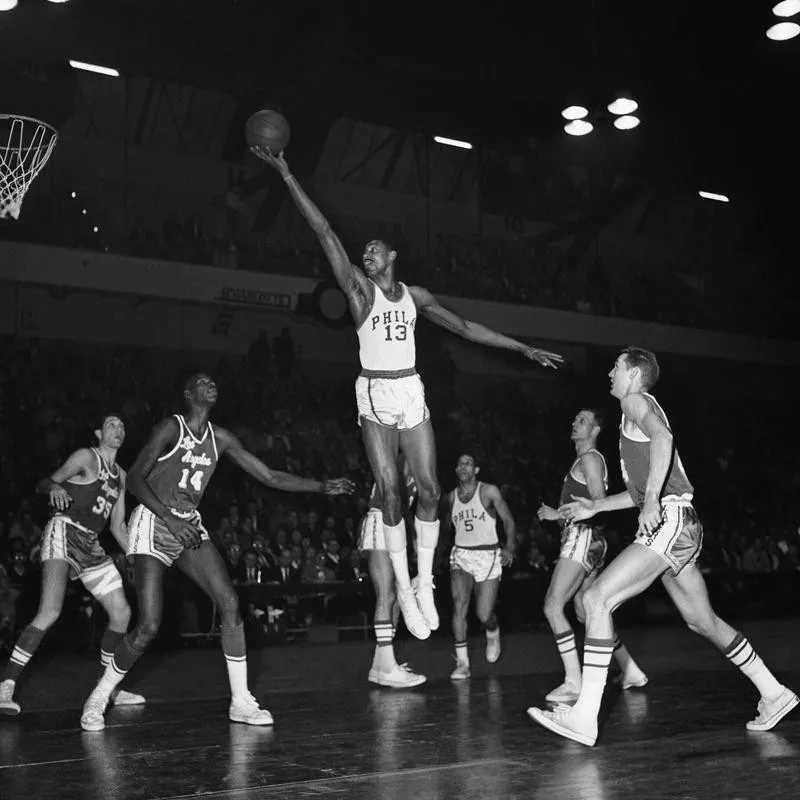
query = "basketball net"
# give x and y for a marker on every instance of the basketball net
(22, 155)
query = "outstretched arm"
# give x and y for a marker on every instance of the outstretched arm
(430, 307)
(285, 481)
(351, 280)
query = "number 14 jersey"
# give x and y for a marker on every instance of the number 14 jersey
(180, 476)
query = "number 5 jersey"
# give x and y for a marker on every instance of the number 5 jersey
(180, 477)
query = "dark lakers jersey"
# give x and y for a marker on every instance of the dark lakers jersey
(180, 476)
(577, 487)
(92, 502)
(634, 458)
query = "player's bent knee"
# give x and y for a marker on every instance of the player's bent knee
(553, 604)
(46, 619)
(429, 495)
(594, 602)
(701, 625)
(145, 632)
(228, 605)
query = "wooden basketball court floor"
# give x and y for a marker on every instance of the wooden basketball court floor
(335, 735)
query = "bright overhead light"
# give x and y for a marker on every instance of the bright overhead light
(786, 8)
(7, 5)
(622, 106)
(58, 1)
(626, 123)
(452, 142)
(575, 112)
(578, 127)
(721, 198)
(94, 68)
(783, 31)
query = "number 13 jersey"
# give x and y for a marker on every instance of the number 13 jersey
(386, 337)
(179, 477)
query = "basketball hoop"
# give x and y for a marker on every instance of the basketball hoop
(25, 146)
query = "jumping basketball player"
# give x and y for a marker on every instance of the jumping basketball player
(85, 492)
(583, 553)
(391, 398)
(169, 477)
(476, 560)
(667, 545)
(385, 670)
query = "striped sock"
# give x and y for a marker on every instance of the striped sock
(384, 652)
(26, 646)
(741, 654)
(108, 645)
(462, 654)
(596, 658)
(568, 651)
(125, 656)
(233, 646)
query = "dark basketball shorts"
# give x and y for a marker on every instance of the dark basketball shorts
(65, 540)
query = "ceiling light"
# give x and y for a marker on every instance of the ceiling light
(623, 105)
(721, 198)
(452, 142)
(783, 31)
(786, 8)
(94, 68)
(7, 5)
(578, 127)
(575, 112)
(626, 123)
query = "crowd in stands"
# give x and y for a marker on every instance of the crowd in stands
(503, 270)
(51, 393)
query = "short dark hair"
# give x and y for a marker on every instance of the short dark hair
(469, 454)
(390, 246)
(106, 415)
(599, 416)
(189, 383)
(645, 361)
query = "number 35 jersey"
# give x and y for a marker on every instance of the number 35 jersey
(180, 477)
(386, 337)
(92, 502)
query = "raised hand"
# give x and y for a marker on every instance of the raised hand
(338, 486)
(276, 162)
(543, 357)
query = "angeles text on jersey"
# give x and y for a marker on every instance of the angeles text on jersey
(92, 501)
(180, 476)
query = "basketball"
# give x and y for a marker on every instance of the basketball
(267, 129)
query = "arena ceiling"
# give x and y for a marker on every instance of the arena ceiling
(717, 98)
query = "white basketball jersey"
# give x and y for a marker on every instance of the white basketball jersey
(473, 524)
(386, 337)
